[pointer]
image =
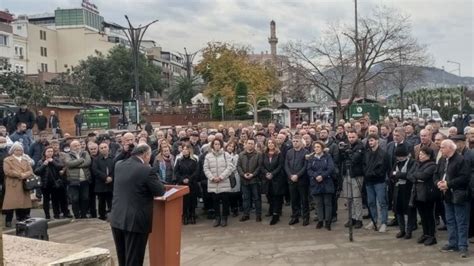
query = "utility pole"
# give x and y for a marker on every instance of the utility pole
(357, 49)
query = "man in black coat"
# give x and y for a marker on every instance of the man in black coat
(452, 178)
(103, 172)
(26, 116)
(41, 121)
(37, 148)
(353, 183)
(135, 187)
(3, 155)
(295, 169)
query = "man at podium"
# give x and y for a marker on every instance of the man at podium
(132, 206)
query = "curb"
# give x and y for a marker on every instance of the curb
(51, 224)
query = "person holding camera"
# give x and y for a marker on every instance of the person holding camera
(354, 153)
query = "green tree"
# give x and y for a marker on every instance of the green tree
(35, 94)
(216, 109)
(241, 95)
(184, 89)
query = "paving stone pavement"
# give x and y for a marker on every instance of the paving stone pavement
(252, 243)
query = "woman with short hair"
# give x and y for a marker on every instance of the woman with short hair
(17, 199)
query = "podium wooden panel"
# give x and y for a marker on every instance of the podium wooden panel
(165, 239)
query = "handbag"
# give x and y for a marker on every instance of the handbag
(31, 183)
(233, 181)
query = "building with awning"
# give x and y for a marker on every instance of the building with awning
(291, 114)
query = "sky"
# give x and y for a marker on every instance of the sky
(446, 27)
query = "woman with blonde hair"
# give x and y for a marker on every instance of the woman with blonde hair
(16, 168)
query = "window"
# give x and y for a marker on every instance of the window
(4, 64)
(16, 50)
(43, 35)
(44, 67)
(3, 40)
(44, 51)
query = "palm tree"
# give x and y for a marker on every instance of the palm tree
(183, 90)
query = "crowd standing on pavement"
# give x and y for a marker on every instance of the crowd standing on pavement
(405, 168)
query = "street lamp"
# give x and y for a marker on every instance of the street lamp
(462, 88)
(459, 66)
(254, 105)
(221, 104)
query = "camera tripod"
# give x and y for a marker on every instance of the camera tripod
(350, 197)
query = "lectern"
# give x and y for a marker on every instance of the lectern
(164, 243)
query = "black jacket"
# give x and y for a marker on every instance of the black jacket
(36, 150)
(50, 173)
(422, 175)
(375, 166)
(278, 182)
(457, 175)
(41, 122)
(295, 164)
(26, 116)
(356, 157)
(135, 187)
(187, 167)
(102, 167)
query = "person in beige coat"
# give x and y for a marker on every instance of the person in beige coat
(17, 200)
(217, 168)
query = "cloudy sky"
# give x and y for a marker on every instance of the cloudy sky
(445, 26)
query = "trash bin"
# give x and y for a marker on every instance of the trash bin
(33, 228)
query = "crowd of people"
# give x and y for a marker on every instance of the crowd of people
(406, 167)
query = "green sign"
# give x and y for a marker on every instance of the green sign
(359, 110)
(97, 118)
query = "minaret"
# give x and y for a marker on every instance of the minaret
(273, 40)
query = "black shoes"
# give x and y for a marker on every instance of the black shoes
(430, 241)
(258, 218)
(408, 235)
(224, 221)
(357, 224)
(319, 225)
(422, 239)
(328, 226)
(400, 234)
(244, 218)
(217, 222)
(305, 221)
(294, 221)
(192, 220)
(235, 212)
(275, 219)
(185, 220)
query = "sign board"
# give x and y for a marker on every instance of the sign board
(130, 112)
(359, 110)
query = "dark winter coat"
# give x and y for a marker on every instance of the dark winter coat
(277, 184)
(323, 166)
(357, 159)
(187, 167)
(53, 121)
(36, 150)
(249, 163)
(102, 167)
(402, 193)
(50, 176)
(422, 175)
(25, 116)
(41, 122)
(457, 176)
(375, 166)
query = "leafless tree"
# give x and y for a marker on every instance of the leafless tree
(330, 64)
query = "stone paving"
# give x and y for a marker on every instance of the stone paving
(251, 243)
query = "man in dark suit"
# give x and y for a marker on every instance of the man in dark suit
(135, 186)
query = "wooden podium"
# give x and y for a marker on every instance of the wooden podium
(164, 243)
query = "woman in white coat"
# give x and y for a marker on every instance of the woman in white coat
(217, 168)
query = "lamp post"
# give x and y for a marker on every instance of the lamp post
(135, 36)
(253, 105)
(462, 88)
(221, 104)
